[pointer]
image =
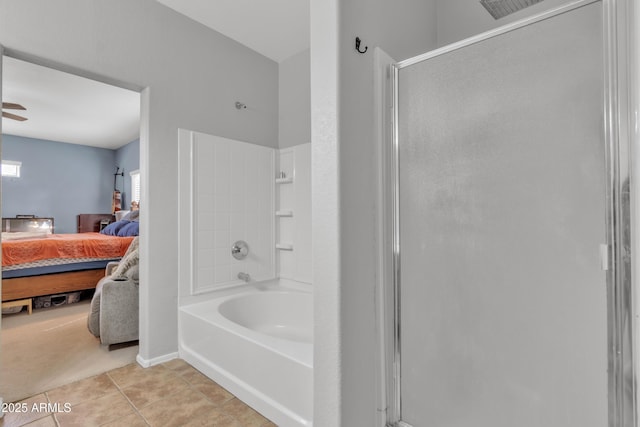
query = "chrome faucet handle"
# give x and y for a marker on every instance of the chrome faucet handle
(240, 249)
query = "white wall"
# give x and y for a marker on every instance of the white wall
(327, 369)
(294, 92)
(194, 76)
(343, 146)
(459, 19)
(402, 32)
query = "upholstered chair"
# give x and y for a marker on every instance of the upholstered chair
(114, 308)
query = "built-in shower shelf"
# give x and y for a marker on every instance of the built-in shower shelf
(284, 180)
(284, 213)
(284, 246)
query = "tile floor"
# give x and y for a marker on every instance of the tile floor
(170, 394)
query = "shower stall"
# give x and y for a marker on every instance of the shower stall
(506, 231)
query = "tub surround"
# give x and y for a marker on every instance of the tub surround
(293, 214)
(232, 190)
(227, 195)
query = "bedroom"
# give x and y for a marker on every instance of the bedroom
(78, 132)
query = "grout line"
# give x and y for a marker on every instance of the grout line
(219, 406)
(135, 409)
(216, 406)
(174, 372)
(55, 419)
(191, 387)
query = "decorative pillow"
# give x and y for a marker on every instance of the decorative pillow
(128, 261)
(130, 229)
(133, 246)
(133, 273)
(113, 228)
(132, 215)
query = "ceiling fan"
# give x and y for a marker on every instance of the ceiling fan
(12, 106)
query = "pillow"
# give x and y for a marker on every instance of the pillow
(132, 215)
(128, 261)
(130, 229)
(120, 214)
(133, 273)
(122, 272)
(113, 228)
(133, 246)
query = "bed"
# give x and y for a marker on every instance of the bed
(38, 263)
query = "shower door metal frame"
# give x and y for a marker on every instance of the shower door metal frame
(619, 119)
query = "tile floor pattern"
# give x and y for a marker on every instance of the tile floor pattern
(170, 394)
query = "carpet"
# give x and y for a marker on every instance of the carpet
(50, 348)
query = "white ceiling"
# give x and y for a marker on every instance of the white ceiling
(277, 29)
(67, 108)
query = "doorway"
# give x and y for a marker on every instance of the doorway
(64, 175)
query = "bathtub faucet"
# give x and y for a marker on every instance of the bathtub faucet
(244, 276)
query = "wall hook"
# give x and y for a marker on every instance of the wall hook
(358, 46)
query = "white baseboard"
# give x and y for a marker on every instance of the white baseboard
(146, 363)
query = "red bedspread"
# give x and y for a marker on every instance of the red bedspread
(81, 245)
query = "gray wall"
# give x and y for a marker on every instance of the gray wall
(295, 100)
(57, 180)
(402, 31)
(193, 75)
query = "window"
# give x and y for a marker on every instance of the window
(11, 168)
(135, 185)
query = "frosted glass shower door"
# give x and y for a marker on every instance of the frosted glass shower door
(501, 167)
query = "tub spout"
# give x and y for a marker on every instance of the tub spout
(244, 276)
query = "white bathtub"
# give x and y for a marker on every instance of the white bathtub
(258, 344)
